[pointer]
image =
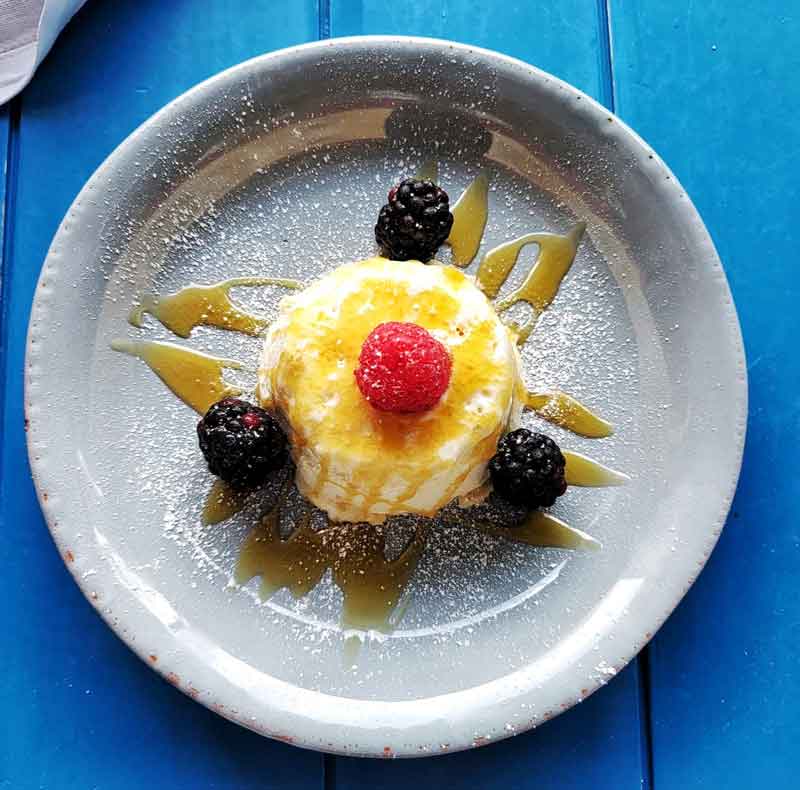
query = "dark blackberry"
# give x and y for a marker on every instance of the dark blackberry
(528, 469)
(241, 443)
(415, 222)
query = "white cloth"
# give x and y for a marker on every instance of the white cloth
(28, 29)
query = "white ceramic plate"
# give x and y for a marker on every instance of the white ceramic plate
(265, 169)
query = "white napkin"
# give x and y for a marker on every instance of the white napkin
(28, 29)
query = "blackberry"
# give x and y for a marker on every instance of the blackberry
(415, 222)
(241, 443)
(528, 469)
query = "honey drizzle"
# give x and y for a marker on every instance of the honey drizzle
(310, 364)
(544, 529)
(194, 377)
(371, 493)
(428, 171)
(470, 213)
(556, 254)
(561, 409)
(208, 305)
(222, 503)
(371, 585)
(583, 471)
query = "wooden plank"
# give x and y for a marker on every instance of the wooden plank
(5, 210)
(5, 140)
(4, 135)
(595, 745)
(564, 38)
(712, 86)
(598, 743)
(80, 709)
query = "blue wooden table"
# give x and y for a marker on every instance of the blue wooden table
(713, 701)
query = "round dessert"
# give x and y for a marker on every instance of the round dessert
(358, 462)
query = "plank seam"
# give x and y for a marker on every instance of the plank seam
(646, 712)
(6, 237)
(608, 96)
(608, 89)
(329, 772)
(324, 19)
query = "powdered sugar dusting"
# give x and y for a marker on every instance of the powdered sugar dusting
(298, 216)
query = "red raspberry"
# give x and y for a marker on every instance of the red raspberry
(403, 368)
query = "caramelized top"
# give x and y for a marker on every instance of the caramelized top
(375, 462)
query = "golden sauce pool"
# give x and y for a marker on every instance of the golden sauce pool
(585, 472)
(196, 378)
(564, 410)
(470, 214)
(545, 530)
(371, 584)
(206, 305)
(541, 284)
(222, 503)
(428, 171)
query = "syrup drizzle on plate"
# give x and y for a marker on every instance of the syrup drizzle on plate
(208, 305)
(372, 585)
(194, 377)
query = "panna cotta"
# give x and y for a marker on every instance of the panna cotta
(360, 464)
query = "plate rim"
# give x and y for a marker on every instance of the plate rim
(331, 736)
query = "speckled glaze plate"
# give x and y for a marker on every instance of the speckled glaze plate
(277, 167)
